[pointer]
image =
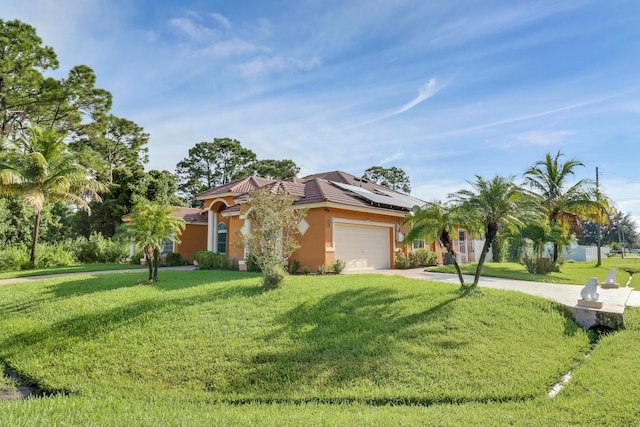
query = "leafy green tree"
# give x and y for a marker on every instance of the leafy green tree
(275, 169)
(532, 238)
(497, 203)
(393, 178)
(563, 204)
(436, 220)
(112, 143)
(273, 236)
(40, 168)
(27, 98)
(213, 163)
(622, 224)
(150, 225)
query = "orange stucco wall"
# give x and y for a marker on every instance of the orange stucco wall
(194, 238)
(316, 245)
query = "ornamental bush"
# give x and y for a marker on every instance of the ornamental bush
(422, 258)
(401, 261)
(99, 249)
(211, 261)
(174, 259)
(338, 266)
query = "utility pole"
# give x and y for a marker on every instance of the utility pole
(599, 243)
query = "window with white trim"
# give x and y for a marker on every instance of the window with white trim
(418, 244)
(167, 246)
(222, 238)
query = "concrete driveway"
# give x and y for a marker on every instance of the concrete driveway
(614, 300)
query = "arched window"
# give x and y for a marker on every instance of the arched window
(222, 238)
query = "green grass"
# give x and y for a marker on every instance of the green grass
(577, 273)
(84, 268)
(6, 384)
(210, 348)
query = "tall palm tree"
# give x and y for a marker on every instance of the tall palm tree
(40, 168)
(437, 220)
(495, 203)
(561, 203)
(150, 225)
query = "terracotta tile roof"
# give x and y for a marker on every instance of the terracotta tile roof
(189, 215)
(345, 178)
(238, 186)
(318, 188)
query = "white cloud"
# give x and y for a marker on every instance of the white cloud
(542, 138)
(263, 65)
(425, 92)
(190, 28)
(229, 48)
(221, 20)
(396, 156)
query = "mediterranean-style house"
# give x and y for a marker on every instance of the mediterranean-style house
(348, 218)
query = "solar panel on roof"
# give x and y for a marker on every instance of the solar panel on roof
(388, 199)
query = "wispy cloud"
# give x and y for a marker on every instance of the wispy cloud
(392, 158)
(542, 138)
(425, 92)
(221, 20)
(190, 28)
(230, 47)
(263, 65)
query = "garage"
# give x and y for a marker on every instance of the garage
(362, 247)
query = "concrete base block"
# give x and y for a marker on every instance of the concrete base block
(591, 304)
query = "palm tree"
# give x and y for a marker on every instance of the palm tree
(563, 204)
(437, 220)
(496, 204)
(40, 168)
(150, 225)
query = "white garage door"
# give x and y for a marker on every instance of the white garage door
(362, 247)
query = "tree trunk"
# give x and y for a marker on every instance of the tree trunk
(156, 261)
(34, 238)
(448, 243)
(555, 253)
(149, 255)
(492, 232)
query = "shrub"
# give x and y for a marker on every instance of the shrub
(135, 259)
(274, 277)
(233, 264)
(306, 270)
(401, 261)
(422, 258)
(98, 249)
(13, 258)
(174, 259)
(252, 264)
(321, 269)
(545, 266)
(54, 255)
(294, 266)
(338, 266)
(211, 261)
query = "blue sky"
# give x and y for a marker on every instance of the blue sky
(445, 90)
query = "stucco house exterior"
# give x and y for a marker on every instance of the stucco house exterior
(347, 218)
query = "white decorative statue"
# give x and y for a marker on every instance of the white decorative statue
(590, 291)
(611, 277)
